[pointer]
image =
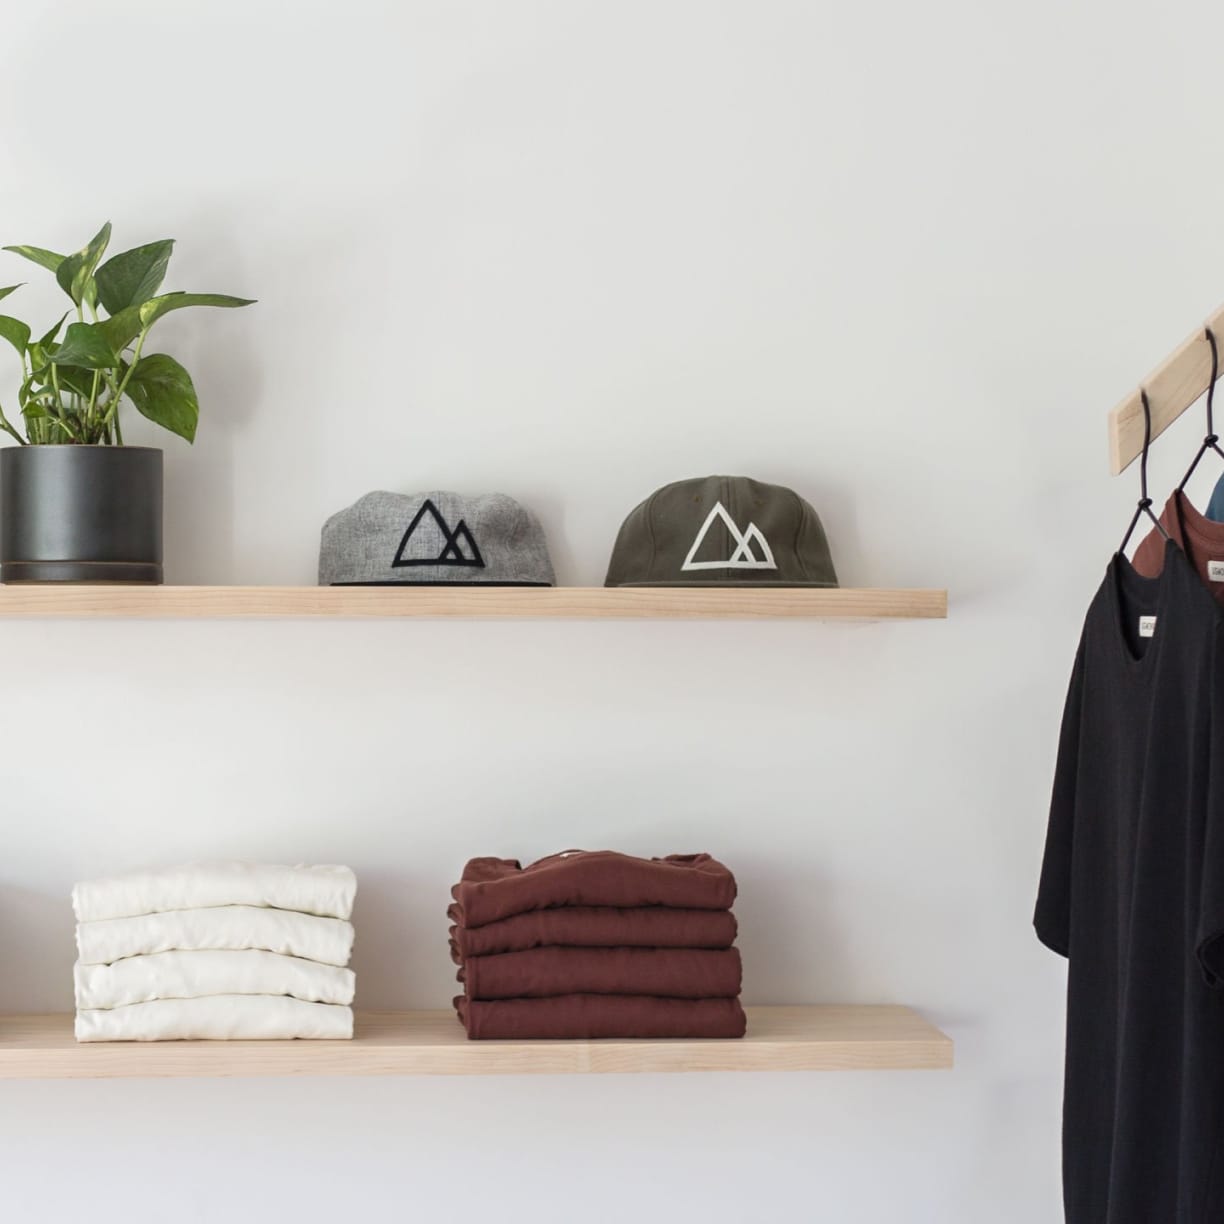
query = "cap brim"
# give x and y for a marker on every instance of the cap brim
(425, 582)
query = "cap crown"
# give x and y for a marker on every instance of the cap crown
(722, 530)
(438, 539)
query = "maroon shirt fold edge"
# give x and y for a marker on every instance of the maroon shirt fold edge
(676, 973)
(592, 1017)
(595, 927)
(493, 889)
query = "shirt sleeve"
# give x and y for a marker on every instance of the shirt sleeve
(1052, 919)
(1209, 935)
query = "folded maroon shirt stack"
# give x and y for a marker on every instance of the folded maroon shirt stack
(592, 944)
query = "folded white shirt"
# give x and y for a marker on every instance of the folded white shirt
(230, 927)
(327, 891)
(192, 975)
(216, 1018)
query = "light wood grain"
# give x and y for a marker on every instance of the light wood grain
(170, 602)
(821, 1038)
(1172, 387)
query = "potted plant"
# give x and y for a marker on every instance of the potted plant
(76, 505)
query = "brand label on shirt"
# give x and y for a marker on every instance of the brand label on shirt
(1215, 571)
(1147, 626)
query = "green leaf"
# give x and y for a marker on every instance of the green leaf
(5, 292)
(45, 340)
(121, 329)
(130, 278)
(161, 389)
(86, 348)
(75, 274)
(15, 332)
(154, 308)
(45, 259)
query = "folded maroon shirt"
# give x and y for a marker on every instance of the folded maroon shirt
(586, 926)
(581, 1016)
(493, 889)
(674, 973)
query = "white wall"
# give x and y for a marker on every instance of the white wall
(901, 257)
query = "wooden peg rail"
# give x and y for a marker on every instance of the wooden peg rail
(1172, 387)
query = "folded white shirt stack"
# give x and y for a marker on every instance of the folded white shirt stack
(233, 951)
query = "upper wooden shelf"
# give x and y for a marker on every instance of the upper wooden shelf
(829, 1038)
(521, 602)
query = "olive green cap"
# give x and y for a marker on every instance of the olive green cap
(722, 531)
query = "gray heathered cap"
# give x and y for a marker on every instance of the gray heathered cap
(434, 539)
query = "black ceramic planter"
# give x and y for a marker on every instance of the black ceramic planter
(80, 514)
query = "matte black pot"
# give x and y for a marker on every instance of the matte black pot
(80, 514)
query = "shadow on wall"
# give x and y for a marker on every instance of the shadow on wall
(788, 933)
(30, 978)
(400, 953)
(222, 350)
(551, 512)
(200, 517)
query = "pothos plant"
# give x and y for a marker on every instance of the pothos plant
(73, 382)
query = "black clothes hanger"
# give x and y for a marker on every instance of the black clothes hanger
(1145, 502)
(1211, 441)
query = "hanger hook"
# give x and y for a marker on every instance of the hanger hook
(1212, 439)
(1144, 500)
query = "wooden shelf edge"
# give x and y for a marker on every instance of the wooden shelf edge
(256, 602)
(818, 1038)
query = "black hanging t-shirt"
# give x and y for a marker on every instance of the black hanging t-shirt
(1132, 893)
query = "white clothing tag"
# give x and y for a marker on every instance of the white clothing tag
(1147, 626)
(1215, 571)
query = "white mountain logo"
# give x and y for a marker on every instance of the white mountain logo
(742, 555)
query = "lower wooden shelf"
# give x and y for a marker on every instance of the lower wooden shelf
(823, 1038)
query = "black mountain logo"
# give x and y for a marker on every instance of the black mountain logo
(455, 547)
